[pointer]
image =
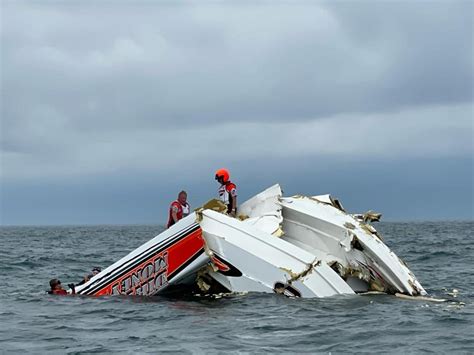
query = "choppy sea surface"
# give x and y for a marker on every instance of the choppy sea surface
(439, 253)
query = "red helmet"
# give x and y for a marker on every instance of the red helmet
(222, 175)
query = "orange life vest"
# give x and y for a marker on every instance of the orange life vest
(179, 213)
(60, 292)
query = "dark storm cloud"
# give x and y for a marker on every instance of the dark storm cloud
(110, 107)
(99, 87)
(108, 65)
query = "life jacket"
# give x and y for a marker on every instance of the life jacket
(60, 292)
(183, 211)
(227, 192)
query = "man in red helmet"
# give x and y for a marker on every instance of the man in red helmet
(227, 191)
(178, 209)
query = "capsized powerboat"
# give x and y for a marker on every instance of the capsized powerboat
(298, 246)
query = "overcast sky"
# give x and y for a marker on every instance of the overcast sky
(109, 108)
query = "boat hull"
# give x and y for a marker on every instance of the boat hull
(322, 228)
(247, 259)
(298, 246)
(165, 260)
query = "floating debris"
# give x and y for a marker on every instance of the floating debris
(454, 293)
(420, 298)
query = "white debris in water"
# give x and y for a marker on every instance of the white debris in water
(454, 293)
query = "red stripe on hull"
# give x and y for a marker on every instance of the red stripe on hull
(152, 275)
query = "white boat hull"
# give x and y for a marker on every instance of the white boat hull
(323, 229)
(297, 246)
(255, 261)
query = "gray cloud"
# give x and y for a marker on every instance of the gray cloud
(441, 131)
(98, 87)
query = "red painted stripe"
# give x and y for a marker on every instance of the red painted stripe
(178, 254)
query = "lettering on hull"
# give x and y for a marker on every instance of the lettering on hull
(144, 281)
(152, 275)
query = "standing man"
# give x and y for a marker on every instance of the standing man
(178, 209)
(227, 191)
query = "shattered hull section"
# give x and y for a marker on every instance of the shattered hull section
(350, 245)
(264, 263)
(263, 211)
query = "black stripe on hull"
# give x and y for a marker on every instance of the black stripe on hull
(129, 265)
(139, 259)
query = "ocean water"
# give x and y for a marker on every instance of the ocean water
(439, 253)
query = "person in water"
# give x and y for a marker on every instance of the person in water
(56, 288)
(227, 191)
(178, 209)
(86, 278)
